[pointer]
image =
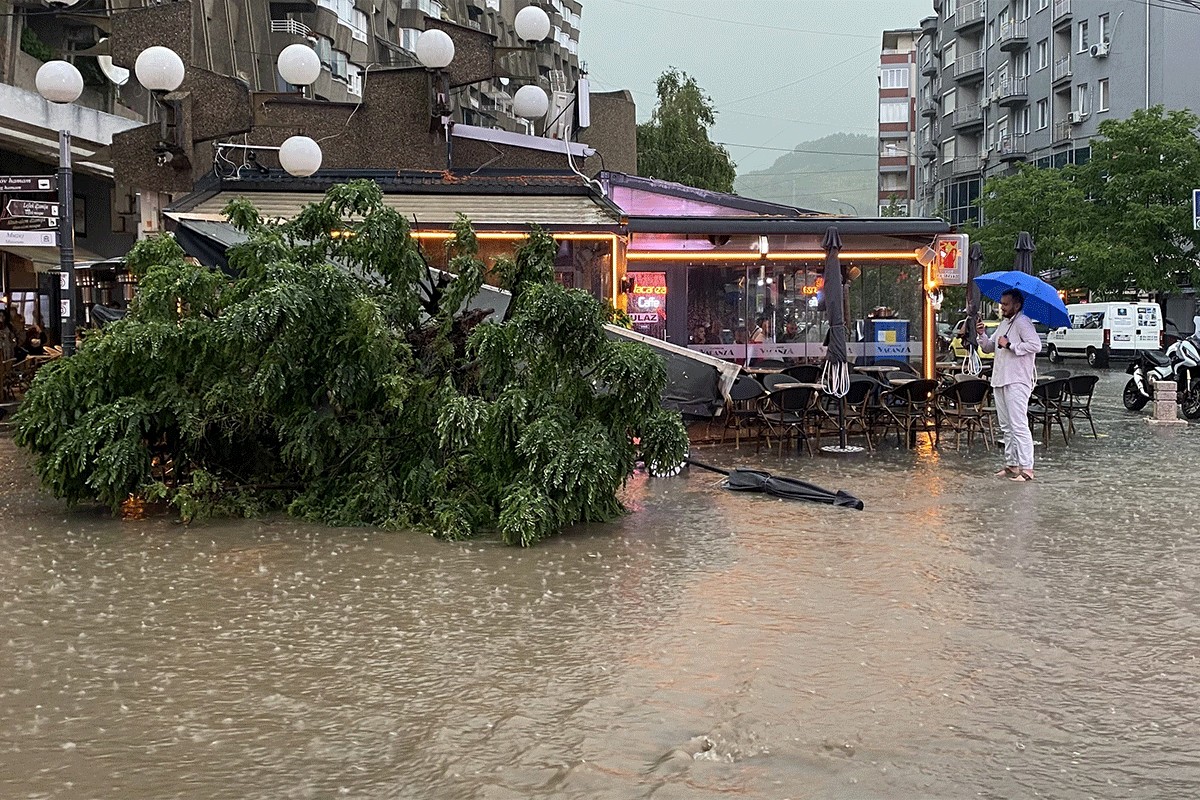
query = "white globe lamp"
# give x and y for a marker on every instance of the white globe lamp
(435, 49)
(530, 102)
(59, 82)
(159, 69)
(299, 64)
(532, 24)
(300, 156)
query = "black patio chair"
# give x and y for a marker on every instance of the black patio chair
(1055, 374)
(790, 413)
(963, 409)
(743, 412)
(767, 363)
(1077, 400)
(805, 373)
(860, 399)
(912, 409)
(771, 382)
(1046, 408)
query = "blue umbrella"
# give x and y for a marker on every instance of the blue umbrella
(1042, 302)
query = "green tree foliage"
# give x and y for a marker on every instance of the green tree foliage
(894, 207)
(340, 379)
(1121, 221)
(674, 144)
(1048, 203)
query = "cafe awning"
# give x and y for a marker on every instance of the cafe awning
(46, 258)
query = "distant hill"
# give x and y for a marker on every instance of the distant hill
(812, 178)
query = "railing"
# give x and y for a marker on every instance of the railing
(968, 13)
(964, 115)
(1062, 8)
(1062, 68)
(291, 26)
(1012, 87)
(1013, 144)
(1062, 131)
(966, 164)
(968, 62)
(1012, 31)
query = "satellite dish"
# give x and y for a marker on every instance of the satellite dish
(118, 75)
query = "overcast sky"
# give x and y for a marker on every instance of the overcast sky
(780, 72)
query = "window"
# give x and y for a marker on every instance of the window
(1022, 65)
(948, 9)
(949, 102)
(1043, 49)
(356, 78)
(1021, 122)
(948, 150)
(1043, 114)
(991, 33)
(359, 25)
(1102, 95)
(341, 65)
(1021, 9)
(893, 111)
(1081, 38)
(893, 78)
(1104, 30)
(1043, 5)
(1084, 102)
(408, 39)
(324, 48)
(948, 56)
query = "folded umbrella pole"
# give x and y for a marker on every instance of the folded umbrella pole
(740, 479)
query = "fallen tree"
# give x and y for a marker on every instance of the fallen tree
(340, 379)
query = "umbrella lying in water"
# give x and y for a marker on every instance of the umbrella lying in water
(752, 480)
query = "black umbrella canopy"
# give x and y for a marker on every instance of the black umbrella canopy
(1025, 247)
(832, 244)
(974, 264)
(753, 480)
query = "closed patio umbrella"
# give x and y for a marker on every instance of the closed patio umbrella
(1025, 247)
(741, 479)
(836, 374)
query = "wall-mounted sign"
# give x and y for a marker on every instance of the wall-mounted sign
(648, 303)
(950, 266)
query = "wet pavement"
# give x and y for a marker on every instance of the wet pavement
(963, 637)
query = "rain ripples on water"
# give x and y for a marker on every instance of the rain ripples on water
(963, 636)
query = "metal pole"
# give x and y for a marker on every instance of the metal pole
(66, 241)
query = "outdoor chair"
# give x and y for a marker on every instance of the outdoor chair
(912, 409)
(963, 409)
(1046, 408)
(1055, 374)
(768, 363)
(959, 377)
(860, 403)
(898, 375)
(743, 412)
(1077, 400)
(790, 413)
(772, 381)
(805, 373)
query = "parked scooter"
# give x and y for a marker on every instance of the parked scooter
(1181, 363)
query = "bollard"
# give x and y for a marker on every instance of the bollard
(1166, 409)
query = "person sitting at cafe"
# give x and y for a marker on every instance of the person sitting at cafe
(35, 339)
(791, 331)
(762, 333)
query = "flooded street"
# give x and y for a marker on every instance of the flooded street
(963, 637)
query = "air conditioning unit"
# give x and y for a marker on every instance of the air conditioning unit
(1100, 50)
(1076, 117)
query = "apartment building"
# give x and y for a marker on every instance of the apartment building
(898, 122)
(1004, 82)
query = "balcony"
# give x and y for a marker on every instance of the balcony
(968, 14)
(929, 108)
(1012, 147)
(893, 163)
(966, 164)
(968, 116)
(968, 66)
(1061, 13)
(929, 64)
(1062, 70)
(1013, 92)
(1014, 35)
(1062, 131)
(291, 27)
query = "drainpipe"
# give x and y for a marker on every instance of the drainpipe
(1147, 55)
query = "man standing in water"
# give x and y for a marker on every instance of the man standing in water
(1016, 346)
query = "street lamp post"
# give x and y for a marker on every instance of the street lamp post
(844, 203)
(60, 82)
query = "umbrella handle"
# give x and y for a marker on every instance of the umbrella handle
(708, 467)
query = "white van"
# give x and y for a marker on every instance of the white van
(1100, 331)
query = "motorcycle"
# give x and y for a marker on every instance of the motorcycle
(1180, 364)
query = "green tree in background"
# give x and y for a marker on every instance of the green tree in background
(340, 379)
(674, 144)
(1121, 221)
(894, 208)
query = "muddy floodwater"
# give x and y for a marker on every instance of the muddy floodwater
(963, 637)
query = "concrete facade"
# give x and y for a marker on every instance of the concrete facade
(898, 122)
(1030, 81)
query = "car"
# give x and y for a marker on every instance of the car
(956, 345)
